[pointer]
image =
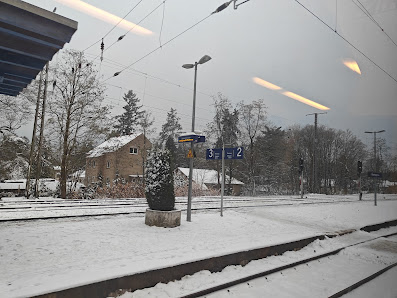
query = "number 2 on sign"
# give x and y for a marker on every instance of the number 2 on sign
(239, 151)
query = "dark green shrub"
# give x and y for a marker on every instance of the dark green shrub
(159, 181)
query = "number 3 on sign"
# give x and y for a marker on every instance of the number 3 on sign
(210, 153)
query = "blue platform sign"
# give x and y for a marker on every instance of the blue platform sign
(375, 175)
(230, 153)
(200, 139)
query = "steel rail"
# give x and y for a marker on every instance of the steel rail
(291, 265)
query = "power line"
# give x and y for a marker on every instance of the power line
(159, 47)
(117, 65)
(368, 14)
(353, 46)
(162, 23)
(114, 27)
(124, 35)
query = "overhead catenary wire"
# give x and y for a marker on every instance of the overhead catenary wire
(368, 14)
(162, 23)
(159, 47)
(136, 72)
(132, 28)
(347, 41)
(145, 75)
(101, 39)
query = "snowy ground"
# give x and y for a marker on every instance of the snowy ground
(47, 255)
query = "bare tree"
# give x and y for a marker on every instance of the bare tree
(77, 116)
(14, 112)
(252, 122)
(225, 124)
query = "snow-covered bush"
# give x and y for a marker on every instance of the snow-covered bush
(126, 190)
(159, 181)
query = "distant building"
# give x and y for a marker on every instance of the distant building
(57, 172)
(117, 159)
(207, 179)
(78, 176)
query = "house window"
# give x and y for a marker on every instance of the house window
(93, 163)
(133, 150)
(108, 164)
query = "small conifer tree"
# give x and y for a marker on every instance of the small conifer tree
(159, 181)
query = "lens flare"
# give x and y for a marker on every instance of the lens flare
(265, 84)
(352, 65)
(305, 100)
(104, 16)
(292, 95)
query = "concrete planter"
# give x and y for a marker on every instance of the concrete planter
(165, 219)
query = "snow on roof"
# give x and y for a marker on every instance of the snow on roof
(44, 183)
(207, 176)
(389, 183)
(12, 186)
(111, 145)
(17, 139)
(78, 174)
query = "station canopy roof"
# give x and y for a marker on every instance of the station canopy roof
(29, 38)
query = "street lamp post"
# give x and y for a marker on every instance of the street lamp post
(204, 59)
(375, 182)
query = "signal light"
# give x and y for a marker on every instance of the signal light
(300, 164)
(359, 167)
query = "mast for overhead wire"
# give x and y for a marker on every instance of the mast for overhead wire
(41, 98)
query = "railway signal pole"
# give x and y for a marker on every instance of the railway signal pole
(301, 172)
(375, 166)
(314, 173)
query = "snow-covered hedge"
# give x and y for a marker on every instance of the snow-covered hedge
(159, 181)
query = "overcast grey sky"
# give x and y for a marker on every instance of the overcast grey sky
(277, 41)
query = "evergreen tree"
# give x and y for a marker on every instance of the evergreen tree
(129, 121)
(14, 152)
(159, 181)
(170, 146)
(171, 127)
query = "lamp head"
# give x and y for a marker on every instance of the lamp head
(187, 66)
(204, 59)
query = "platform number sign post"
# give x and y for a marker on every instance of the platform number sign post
(359, 171)
(301, 167)
(224, 153)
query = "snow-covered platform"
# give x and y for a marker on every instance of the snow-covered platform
(43, 256)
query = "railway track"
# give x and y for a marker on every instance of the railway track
(57, 208)
(239, 286)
